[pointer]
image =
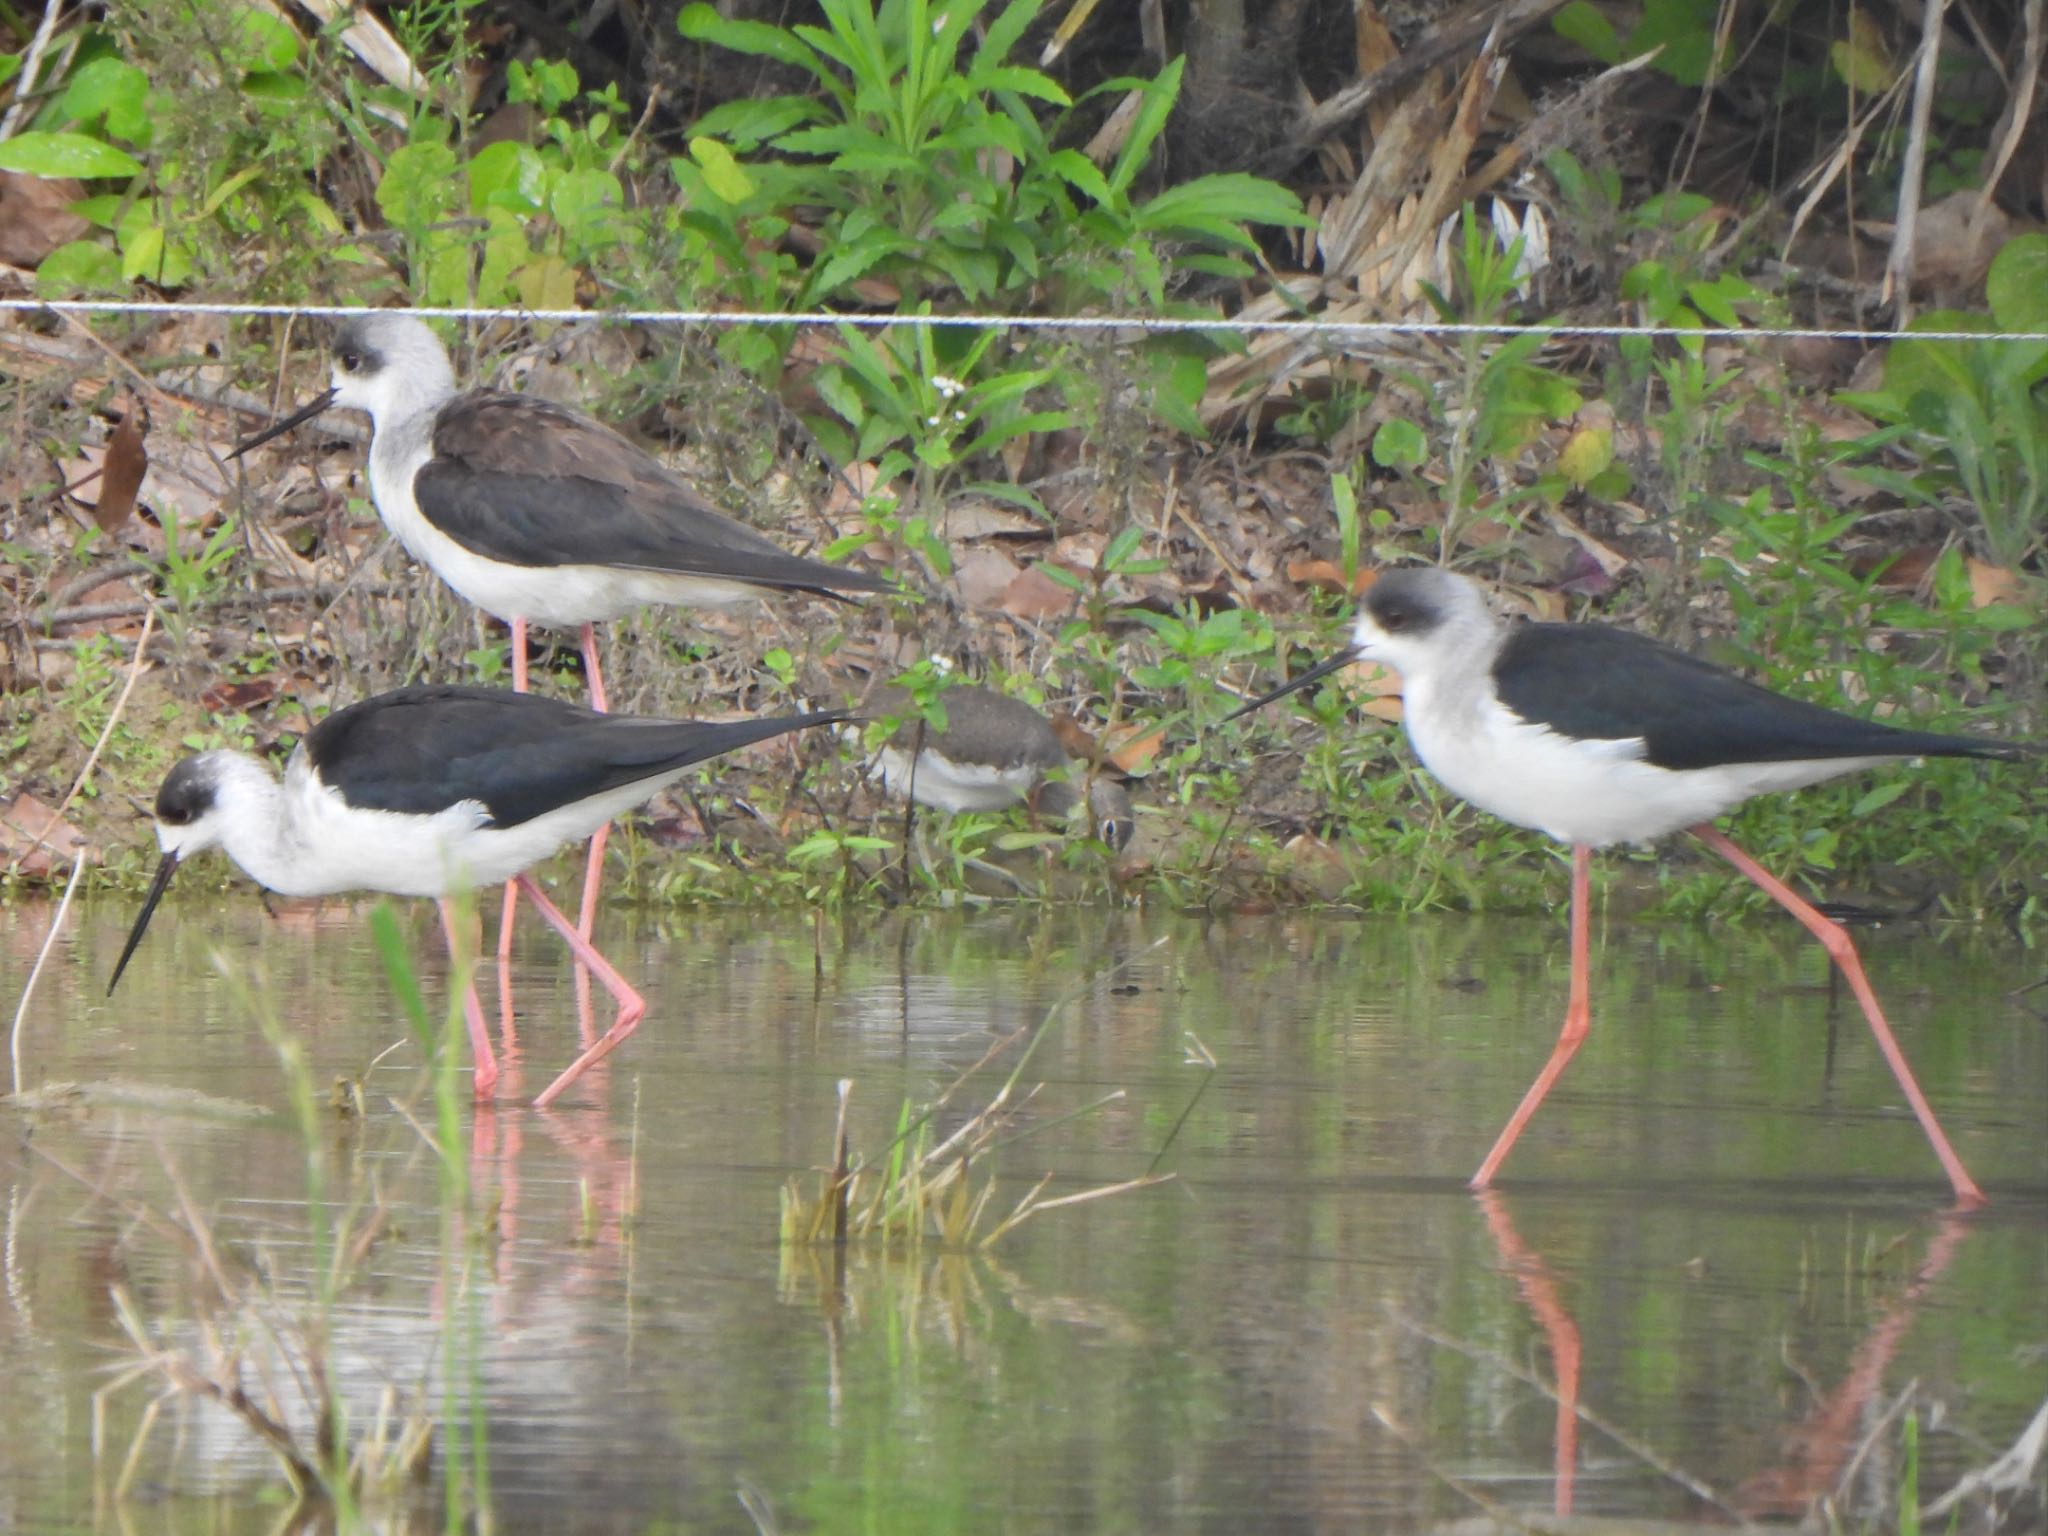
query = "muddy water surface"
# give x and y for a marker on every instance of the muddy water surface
(1723, 1238)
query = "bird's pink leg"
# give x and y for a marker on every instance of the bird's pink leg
(1578, 1017)
(631, 1004)
(511, 890)
(1539, 1289)
(472, 1010)
(1842, 950)
(593, 869)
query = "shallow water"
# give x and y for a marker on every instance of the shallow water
(1723, 1215)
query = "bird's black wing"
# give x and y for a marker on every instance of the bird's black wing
(422, 750)
(1603, 684)
(528, 482)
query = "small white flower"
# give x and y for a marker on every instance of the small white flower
(946, 387)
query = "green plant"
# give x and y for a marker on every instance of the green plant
(201, 186)
(936, 170)
(1502, 394)
(929, 402)
(190, 576)
(932, 174)
(1975, 414)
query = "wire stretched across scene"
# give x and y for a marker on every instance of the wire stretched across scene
(1155, 324)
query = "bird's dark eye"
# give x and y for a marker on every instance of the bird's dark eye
(350, 361)
(1393, 621)
(175, 816)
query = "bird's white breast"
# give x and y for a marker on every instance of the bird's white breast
(1595, 792)
(952, 786)
(321, 845)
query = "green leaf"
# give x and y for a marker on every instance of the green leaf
(418, 187)
(83, 266)
(750, 124)
(65, 154)
(1399, 444)
(1147, 125)
(108, 89)
(1060, 576)
(268, 42)
(724, 176)
(1007, 30)
(1078, 171)
(1025, 82)
(506, 175)
(700, 23)
(1880, 797)
(1587, 25)
(2017, 284)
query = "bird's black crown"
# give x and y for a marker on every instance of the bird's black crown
(353, 351)
(1402, 602)
(186, 794)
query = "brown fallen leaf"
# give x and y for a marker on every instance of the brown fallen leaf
(224, 698)
(1328, 576)
(1906, 571)
(121, 471)
(983, 575)
(1035, 595)
(1132, 748)
(1992, 584)
(33, 838)
(36, 216)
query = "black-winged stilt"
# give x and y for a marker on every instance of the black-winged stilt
(1594, 736)
(538, 513)
(433, 791)
(993, 752)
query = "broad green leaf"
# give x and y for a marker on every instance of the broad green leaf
(1586, 455)
(1861, 59)
(2017, 285)
(268, 42)
(549, 283)
(419, 185)
(65, 154)
(506, 175)
(1587, 25)
(582, 199)
(83, 266)
(724, 176)
(108, 89)
(275, 90)
(1399, 444)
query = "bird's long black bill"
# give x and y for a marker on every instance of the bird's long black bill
(157, 887)
(303, 414)
(1314, 674)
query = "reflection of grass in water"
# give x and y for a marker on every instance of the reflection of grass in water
(923, 1189)
(251, 1324)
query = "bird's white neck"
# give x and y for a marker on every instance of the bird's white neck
(1447, 675)
(254, 835)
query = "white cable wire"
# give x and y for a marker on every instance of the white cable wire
(1150, 324)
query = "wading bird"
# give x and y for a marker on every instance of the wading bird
(537, 513)
(434, 791)
(1596, 736)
